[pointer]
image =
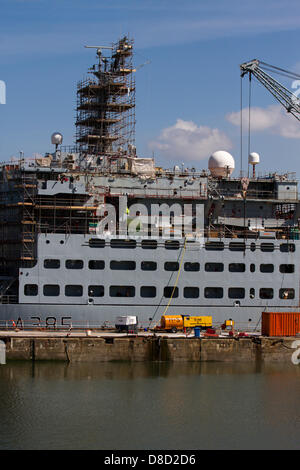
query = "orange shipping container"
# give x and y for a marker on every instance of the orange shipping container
(280, 323)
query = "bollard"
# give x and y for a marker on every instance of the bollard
(2, 353)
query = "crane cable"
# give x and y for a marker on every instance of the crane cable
(249, 118)
(176, 282)
(177, 278)
(241, 127)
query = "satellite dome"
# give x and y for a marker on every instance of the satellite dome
(221, 164)
(253, 158)
(56, 138)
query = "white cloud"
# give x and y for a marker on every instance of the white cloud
(273, 119)
(185, 141)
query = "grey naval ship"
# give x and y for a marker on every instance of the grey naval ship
(68, 257)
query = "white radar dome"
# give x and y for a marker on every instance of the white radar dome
(253, 158)
(221, 164)
(56, 138)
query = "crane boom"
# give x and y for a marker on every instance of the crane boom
(282, 94)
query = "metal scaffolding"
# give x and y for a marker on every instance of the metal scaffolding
(105, 123)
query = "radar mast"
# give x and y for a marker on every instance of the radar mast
(105, 123)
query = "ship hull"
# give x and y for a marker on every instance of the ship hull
(87, 316)
(189, 280)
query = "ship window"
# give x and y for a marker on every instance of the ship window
(148, 291)
(287, 247)
(96, 264)
(267, 268)
(123, 243)
(31, 289)
(237, 246)
(213, 292)
(122, 291)
(237, 267)
(252, 293)
(252, 268)
(267, 247)
(191, 292)
(192, 267)
(236, 293)
(95, 291)
(171, 266)
(287, 293)
(148, 265)
(214, 267)
(266, 293)
(168, 291)
(214, 246)
(96, 243)
(287, 268)
(172, 244)
(73, 290)
(51, 290)
(149, 244)
(74, 264)
(252, 247)
(51, 263)
(122, 265)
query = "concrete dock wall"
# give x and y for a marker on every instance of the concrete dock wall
(139, 348)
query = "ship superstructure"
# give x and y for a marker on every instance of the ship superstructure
(92, 232)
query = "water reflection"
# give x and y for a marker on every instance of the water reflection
(130, 371)
(149, 405)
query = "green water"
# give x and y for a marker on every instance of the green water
(149, 406)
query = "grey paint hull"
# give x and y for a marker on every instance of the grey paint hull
(89, 316)
(87, 311)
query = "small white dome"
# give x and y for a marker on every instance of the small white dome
(253, 158)
(56, 138)
(221, 164)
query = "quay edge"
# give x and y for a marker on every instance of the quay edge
(150, 348)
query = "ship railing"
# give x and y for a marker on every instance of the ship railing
(63, 203)
(64, 324)
(89, 227)
(292, 233)
(238, 194)
(69, 148)
(48, 325)
(8, 299)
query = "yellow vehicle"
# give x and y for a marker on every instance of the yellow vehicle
(180, 322)
(197, 321)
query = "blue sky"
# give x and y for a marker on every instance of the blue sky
(188, 97)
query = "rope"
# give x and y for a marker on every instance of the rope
(177, 278)
(241, 127)
(176, 282)
(249, 119)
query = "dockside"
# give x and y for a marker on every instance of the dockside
(106, 347)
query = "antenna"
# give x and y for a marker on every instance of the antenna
(99, 53)
(98, 47)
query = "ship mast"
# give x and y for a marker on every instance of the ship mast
(105, 124)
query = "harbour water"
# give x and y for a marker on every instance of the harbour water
(149, 406)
